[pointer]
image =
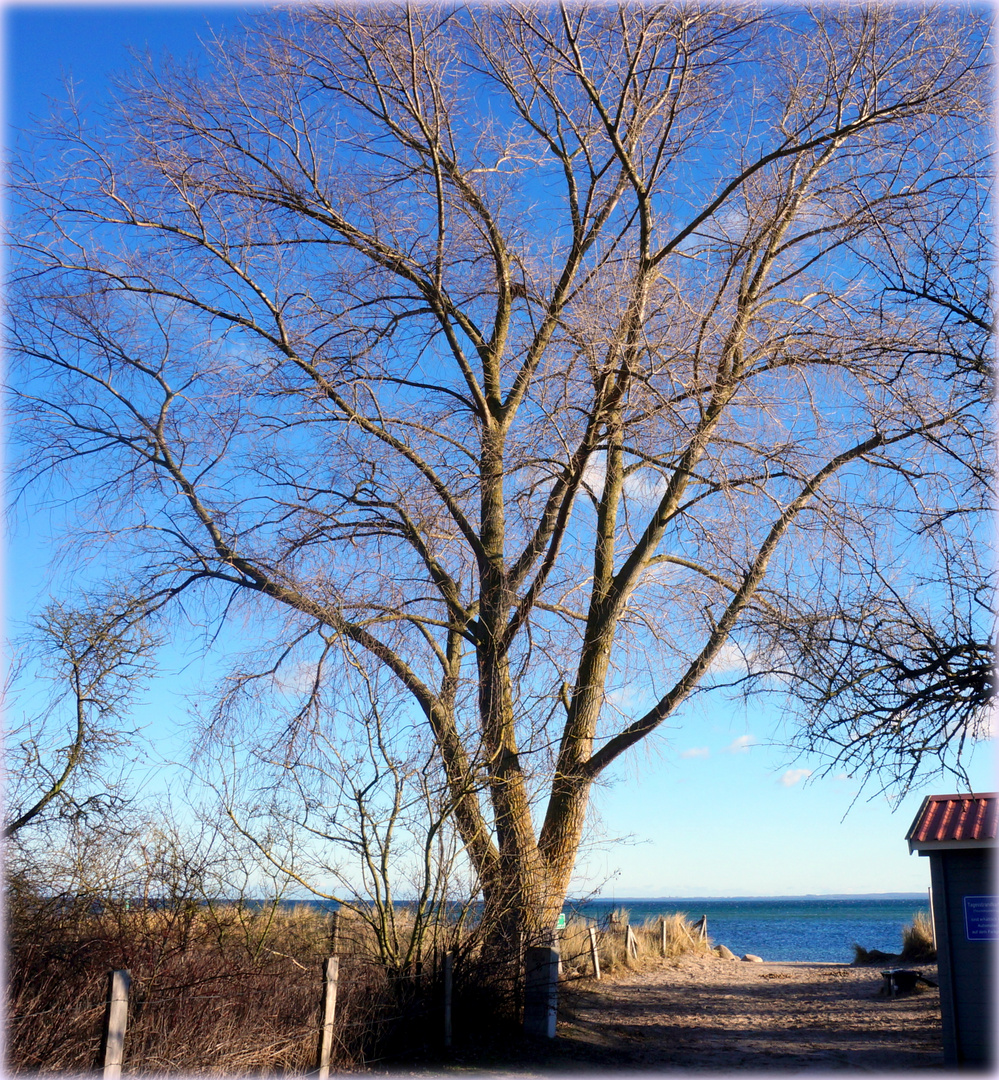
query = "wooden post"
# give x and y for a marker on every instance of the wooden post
(540, 991)
(327, 1013)
(594, 953)
(662, 929)
(115, 1019)
(448, 984)
(334, 932)
(630, 942)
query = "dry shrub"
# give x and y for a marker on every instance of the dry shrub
(234, 989)
(220, 989)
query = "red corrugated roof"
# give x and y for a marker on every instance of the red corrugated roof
(944, 818)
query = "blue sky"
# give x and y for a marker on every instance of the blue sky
(714, 809)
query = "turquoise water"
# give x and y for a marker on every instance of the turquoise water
(782, 928)
(813, 928)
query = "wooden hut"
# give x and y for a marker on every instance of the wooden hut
(958, 835)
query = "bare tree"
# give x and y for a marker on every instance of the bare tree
(531, 353)
(345, 798)
(62, 757)
(895, 677)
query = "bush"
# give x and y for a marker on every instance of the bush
(223, 989)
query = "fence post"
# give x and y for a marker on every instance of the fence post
(662, 928)
(594, 953)
(334, 932)
(448, 984)
(540, 991)
(704, 928)
(115, 1019)
(630, 942)
(327, 1013)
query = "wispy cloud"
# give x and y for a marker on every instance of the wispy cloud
(644, 486)
(695, 751)
(299, 678)
(731, 659)
(795, 776)
(741, 745)
(627, 696)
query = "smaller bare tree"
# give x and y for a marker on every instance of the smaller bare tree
(364, 819)
(61, 757)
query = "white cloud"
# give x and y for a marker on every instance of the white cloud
(297, 679)
(644, 486)
(695, 751)
(627, 696)
(795, 776)
(731, 658)
(594, 472)
(741, 745)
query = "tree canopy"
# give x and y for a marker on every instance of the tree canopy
(498, 359)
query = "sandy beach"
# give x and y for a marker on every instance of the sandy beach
(726, 1016)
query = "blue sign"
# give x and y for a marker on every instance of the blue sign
(981, 917)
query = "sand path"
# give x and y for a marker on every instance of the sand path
(731, 1015)
(726, 1016)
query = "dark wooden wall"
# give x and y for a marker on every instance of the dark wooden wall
(965, 966)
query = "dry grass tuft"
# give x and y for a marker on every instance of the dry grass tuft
(234, 988)
(917, 940)
(917, 946)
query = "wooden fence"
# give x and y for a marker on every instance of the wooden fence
(540, 1001)
(111, 1056)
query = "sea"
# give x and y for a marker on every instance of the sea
(813, 928)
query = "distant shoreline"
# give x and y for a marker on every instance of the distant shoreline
(576, 901)
(777, 896)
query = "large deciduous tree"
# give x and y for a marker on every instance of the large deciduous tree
(525, 354)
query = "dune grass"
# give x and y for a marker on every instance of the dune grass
(917, 940)
(917, 945)
(681, 939)
(234, 988)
